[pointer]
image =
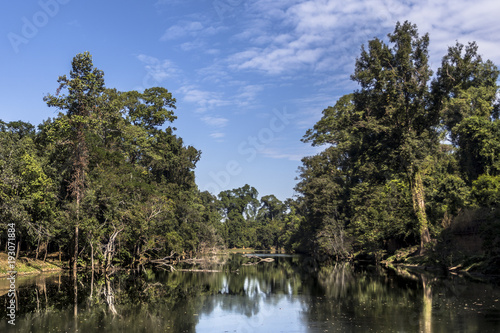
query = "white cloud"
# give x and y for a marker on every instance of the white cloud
(247, 95)
(217, 135)
(315, 34)
(214, 74)
(158, 70)
(190, 29)
(296, 153)
(271, 153)
(463, 21)
(305, 34)
(212, 51)
(205, 100)
(182, 30)
(238, 94)
(189, 46)
(215, 121)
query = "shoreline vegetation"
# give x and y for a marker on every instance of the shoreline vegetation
(29, 266)
(409, 174)
(479, 267)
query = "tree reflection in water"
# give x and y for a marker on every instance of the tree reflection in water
(287, 294)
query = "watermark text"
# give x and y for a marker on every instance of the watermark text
(31, 25)
(11, 247)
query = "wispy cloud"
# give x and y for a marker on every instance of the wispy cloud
(182, 30)
(192, 45)
(204, 99)
(216, 73)
(215, 121)
(217, 135)
(306, 34)
(218, 123)
(247, 95)
(460, 20)
(191, 29)
(321, 34)
(292, 154)
(158, 69)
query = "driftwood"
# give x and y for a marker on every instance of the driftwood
(267, 259)
(194, 261)
(167, 261)
(206, 263)
(256, 262)
(163, 260)
(172, 268)
(200, 270)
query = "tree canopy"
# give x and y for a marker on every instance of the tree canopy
(388, 177)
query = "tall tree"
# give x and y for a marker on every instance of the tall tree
(84, 89)
(380, 133)
(398, 125)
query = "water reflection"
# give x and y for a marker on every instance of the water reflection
(288, 295)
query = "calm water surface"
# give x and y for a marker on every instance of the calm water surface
(287, 295)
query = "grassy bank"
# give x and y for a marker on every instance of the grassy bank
(30, 266)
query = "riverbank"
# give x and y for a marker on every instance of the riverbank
(26, 266)
(479, 266)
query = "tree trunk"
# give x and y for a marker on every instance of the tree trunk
(417, 193)
(75, 255)
(18, 248)
(92, 255)
(110, 249)
(92, 284)
(110, 296)
(77, 186)
(46, 250)
(75, 302)
(38, 248)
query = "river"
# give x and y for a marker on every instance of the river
(289, 294)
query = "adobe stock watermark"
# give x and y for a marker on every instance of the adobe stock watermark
(224, 7)
(31, 25)
(11, 252)
(249, 149)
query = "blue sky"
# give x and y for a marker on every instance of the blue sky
(250, 77)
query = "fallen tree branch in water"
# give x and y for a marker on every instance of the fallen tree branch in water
(200, 270)
(257, 262)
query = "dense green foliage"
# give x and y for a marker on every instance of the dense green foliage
(108, 182)
(404, 155)
(106, 169)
